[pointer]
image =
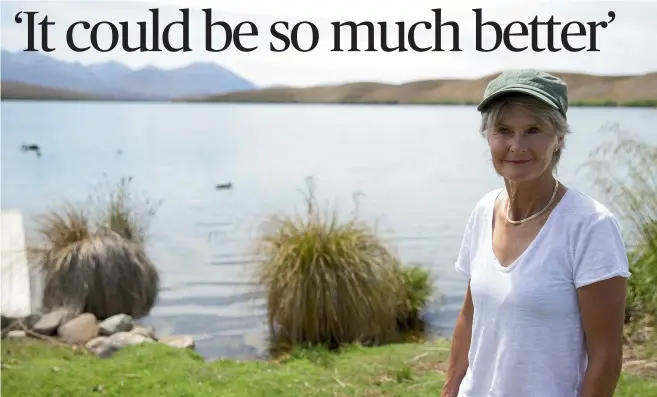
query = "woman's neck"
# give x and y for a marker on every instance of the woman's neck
(527, 198)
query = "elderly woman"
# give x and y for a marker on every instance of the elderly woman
(545, 303)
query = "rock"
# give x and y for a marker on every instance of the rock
(117, 323)
(16, 334)
(96, 342)
(147, 332)
(180, 341)
(49, 322)
(79, 330)
(127, 338)
(104, 346)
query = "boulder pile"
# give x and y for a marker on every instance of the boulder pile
(101, 338)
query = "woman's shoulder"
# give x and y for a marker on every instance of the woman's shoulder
(582, 219)
(593, 233)
(579, 206)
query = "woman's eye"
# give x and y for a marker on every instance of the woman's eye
(503, 131)
(534, 130)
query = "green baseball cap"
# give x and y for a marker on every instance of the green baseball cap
(543, 86)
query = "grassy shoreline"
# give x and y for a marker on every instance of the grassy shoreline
(34, 368)
(327, 283)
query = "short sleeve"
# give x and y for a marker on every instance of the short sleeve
(462, 264)
(600, 253)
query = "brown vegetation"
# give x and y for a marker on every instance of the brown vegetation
(97, 264)
(332, 282)
(102, 274)
(21, 91)
(582, 88)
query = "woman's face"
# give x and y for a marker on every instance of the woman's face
(520, 147)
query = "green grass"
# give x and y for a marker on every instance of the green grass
(641, 103)
(32, 368)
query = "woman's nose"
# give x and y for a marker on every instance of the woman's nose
(518, 141)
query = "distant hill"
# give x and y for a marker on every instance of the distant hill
(640, 90)
(12, 90)
(117, 81)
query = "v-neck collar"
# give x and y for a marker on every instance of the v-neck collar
(539, 236)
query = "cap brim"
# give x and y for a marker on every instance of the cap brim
(488, 101)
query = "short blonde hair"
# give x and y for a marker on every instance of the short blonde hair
(546, 116)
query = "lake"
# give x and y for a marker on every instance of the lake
(416, 170)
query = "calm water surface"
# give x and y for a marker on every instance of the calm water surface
(416, 170)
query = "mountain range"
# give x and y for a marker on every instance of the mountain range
(39, 77)
(112, 80)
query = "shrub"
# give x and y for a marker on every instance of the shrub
(626, 171)
(103, 274)
(416, 290)
(642, 291)
(98, 266)
(331, 282)
(641, 103)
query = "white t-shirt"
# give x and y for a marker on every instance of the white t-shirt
(527, 337)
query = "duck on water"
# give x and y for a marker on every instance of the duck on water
(33, 147)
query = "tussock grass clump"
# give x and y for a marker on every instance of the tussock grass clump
(62, 228)
(103, 274)
(625, 169)
(416, 290)
(95, 264)
(331, 282)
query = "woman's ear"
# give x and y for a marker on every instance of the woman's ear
(558, 146)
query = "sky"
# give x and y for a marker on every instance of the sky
(626, 46)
